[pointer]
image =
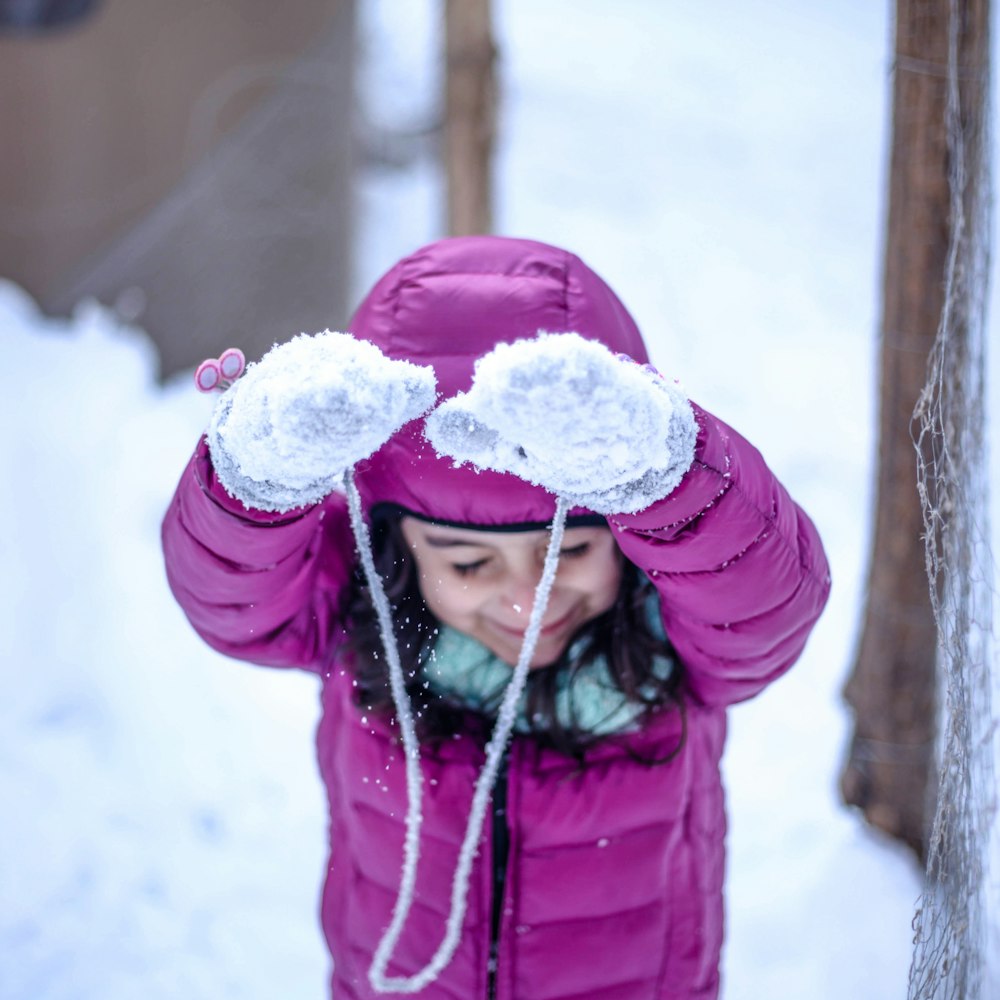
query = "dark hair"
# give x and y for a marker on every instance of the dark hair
(622, 636)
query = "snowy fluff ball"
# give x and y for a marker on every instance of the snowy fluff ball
(565, 413)
(310, 409)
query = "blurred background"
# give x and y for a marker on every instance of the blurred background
(177, 178)
(187, 163)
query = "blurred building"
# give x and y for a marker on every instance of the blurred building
(187, 161)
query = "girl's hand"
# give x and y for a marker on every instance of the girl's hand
(567, 414)
(284, 434)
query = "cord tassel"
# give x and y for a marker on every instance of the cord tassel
(506, 718)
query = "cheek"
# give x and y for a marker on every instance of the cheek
(607, 594)
(450, 599)
(602, 581)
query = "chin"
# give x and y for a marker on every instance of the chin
(542, 658)
(547, 658)
(547, 652)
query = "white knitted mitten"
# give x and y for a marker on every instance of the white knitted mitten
(566, 414)
(284, 434)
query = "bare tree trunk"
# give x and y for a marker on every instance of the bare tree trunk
(470, 115)
(890, 772)
(891, 688)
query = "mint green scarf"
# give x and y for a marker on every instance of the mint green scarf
(462, 669)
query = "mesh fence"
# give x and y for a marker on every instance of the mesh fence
(953, 933)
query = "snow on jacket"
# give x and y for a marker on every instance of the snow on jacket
(613, 874)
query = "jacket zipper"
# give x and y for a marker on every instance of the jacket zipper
(501, 850)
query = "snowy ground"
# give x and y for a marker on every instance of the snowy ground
(163, 824)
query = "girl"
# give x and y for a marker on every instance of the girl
(567, 573)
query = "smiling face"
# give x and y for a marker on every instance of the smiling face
(483, 583)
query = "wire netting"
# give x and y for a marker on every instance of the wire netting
(953, 931)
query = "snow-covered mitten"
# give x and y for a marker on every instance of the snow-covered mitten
(284, 434)
(566, 414)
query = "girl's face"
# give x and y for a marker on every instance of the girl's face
(483, 583)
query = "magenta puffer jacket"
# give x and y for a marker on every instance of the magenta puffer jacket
(602, 882)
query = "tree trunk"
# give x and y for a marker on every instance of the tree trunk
(470, 115)
(890, 770)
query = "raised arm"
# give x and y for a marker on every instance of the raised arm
(740, 568)
(257, 540)
(257, 585)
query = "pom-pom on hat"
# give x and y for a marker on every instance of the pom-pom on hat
(448, 304)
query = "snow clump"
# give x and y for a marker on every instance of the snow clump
(565, 413)
(284, 434)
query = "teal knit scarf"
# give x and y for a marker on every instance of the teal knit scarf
(463, 670)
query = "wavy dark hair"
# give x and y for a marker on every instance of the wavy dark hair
(622, 636)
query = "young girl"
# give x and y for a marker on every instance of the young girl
(560, 574)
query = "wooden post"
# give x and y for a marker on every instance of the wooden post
(890, 770)
(470, 115)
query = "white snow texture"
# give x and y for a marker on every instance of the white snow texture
(285, 433)
(565, 413)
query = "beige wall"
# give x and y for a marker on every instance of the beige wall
(161, 146)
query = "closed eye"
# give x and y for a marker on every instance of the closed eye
(467, 569)
(574, 551)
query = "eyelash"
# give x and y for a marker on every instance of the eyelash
(469, 569)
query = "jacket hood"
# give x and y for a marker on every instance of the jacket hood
(448, 304)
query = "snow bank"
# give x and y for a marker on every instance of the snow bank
(163, 821)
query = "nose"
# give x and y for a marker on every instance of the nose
(519, 592)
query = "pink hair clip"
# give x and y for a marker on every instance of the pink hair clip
(221, 372)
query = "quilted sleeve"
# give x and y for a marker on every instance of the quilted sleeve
(739, 567)
(258, 586)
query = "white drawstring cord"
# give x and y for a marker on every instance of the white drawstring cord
(506, 718)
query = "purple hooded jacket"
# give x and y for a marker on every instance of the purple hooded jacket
(612, 886)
